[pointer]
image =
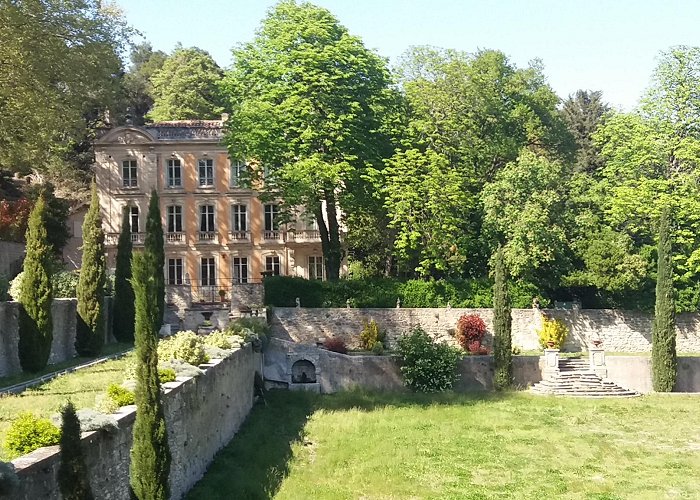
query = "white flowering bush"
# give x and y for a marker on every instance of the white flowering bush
(427, 366)
(186, 346)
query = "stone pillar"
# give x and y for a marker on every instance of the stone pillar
(596, 355)
(551, 363)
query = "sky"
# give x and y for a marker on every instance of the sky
(608, 45)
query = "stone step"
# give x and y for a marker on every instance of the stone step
(575, 378)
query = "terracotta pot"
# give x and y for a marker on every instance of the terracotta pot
(550, 344)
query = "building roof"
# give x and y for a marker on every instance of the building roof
(166, 131)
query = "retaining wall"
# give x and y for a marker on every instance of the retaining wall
(202, 415)
(621, 331)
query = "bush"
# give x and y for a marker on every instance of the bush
(73, 479)
(65, 283)
(371, 335)
(554, 331)
(120, 396)
(378, 348)
(335, 345)
(219, 339)
(28, 433)
(470, 332)
(166, 375)
(186, 346)
(425, 365)
(256, 325)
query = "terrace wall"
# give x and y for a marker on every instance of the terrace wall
(202, 415)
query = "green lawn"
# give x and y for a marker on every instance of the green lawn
(379, 446)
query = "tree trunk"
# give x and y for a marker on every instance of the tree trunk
(330, 236)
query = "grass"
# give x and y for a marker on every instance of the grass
(513, 445)
(81, 387)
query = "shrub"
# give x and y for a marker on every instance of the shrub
(186, 346)
(336, 345)
(553, 331)
(256, 325)
(371, 335)
(181, 368)
(425, 365)
(8, 479)
(65, 283)
(219, 339)
(470, 332)
(28, 433)
(166, 375)
(502, 336)
(123, 323)
(378, 348)
(72, 472)
(120, 396)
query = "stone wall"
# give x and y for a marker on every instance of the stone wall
(11, 257)
(250, 295)
(621, 331)
(202, 415)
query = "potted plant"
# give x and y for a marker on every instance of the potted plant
(470, 332)
(553, 333)
(222, 294)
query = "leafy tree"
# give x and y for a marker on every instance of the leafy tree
(72, 473)
(145, 62)
(36, 297)
(582, 113)
(150, 454)
(307, 101)
(123, 317)
(90, 334)
(155, 249)
(186, 87)
(663, 345)
(502, 346)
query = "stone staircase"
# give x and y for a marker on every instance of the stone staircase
(575, 377)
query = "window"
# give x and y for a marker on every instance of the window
(174, 173)
(206, 172)
(240, 269)
(315, 267)
(206, 218)
(129, 173)
(271, 218)
(174, 219)
(237, 173)
(174, 271)
(239, 218)
(134, 218)
(208, 271)
(272, 264)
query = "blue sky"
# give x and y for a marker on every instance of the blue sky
(608, 45)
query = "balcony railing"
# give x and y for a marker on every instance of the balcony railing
(112, 239)
(305, 235)
(175, 237)
(273, 236)
(239, 236)
(207, 237)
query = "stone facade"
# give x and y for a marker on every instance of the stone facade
(202, 415)
(621, 331)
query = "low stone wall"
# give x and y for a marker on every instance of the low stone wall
(202, 415)
(621, 331)
(250, 295)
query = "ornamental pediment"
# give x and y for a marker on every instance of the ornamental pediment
(126, 135)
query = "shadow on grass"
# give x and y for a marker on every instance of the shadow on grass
(254, 464)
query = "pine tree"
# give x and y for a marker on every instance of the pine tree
(36, 297)
(154, 248)
(90, 334)
(663, 350)
(502, 348)
(72, 473)
(123, 317)
(150, 454)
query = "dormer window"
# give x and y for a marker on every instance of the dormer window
(129, 174)
(206, 172)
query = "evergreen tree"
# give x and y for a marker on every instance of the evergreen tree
(123, 317)
(502, 348)
(90, 334)
(154, 249)
(72, 473)
(663, 350)
(36, 297)
(150, 454)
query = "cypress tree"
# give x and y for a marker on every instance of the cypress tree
(123, 317)
(663, 346)
(36, 297)
(502, 348)
(72, 473)
(90, 334)
(150, 454)
(154, 248)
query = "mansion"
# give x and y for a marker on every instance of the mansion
(218, 234)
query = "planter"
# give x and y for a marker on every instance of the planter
(550, 344)
(597, 343)
(474, 346)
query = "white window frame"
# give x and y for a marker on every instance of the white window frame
(206, 166)
(270, 264)
(315, 263)
(134, 217)
(239, 217)
(130, 168)
(210, 223)
(174, 219)
(176, 264)
(238, 168)
(271, 210)
(241, 270)
(173, 165)
(210, 273)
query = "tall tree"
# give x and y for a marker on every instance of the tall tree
(123, 319)
(582, 113)
(186, 87)
(502, 344)
(154, 246)
(145, 62)
(72, 472)
(663, 344)
(90, 332)
(150, 455)
(36, 296)
(307, 101)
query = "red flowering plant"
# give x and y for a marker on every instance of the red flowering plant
(470, 332)
(336, 345)
(13, 219)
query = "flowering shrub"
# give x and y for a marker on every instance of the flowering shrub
(425, 365)
(186, 346)
(219, 339)
(470, 332)
(553, 331)
(13, 219)
(28, 433)
(120, 396)
(336, 345)
(371, 335)
(166, 375)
